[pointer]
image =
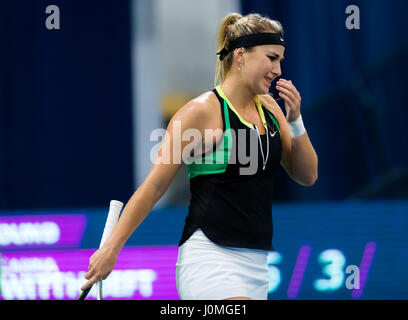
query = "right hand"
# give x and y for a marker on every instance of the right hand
(101, 264)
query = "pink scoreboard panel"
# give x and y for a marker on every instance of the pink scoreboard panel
(140, 273)
(40, 258)
(41, 231)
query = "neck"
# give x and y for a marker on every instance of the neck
(238, 94)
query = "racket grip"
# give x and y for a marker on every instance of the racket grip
(114, 210)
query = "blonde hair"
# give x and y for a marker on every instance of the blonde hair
(234, 26)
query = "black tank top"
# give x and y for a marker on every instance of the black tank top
(230, 201)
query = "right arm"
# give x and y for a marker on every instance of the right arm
(194, 114)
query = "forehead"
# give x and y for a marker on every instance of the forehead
(271, 49)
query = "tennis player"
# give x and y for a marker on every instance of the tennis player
(228, 231)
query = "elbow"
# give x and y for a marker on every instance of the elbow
(311, 181)
(313, 176)
(305, 181)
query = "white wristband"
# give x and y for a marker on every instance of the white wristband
(296, 127)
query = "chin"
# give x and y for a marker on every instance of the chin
(261, 89)
(264, 89)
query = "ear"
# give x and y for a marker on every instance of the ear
(239, 55)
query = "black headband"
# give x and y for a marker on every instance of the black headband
(251, 40)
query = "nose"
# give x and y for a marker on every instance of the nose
(277, 69)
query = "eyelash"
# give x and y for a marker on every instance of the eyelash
(273, 58)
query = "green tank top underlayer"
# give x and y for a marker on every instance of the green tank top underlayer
(232, 187)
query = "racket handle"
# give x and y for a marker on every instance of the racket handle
(99, 294)
(84, 293)
(114, 210)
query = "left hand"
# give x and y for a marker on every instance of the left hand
(289, 93)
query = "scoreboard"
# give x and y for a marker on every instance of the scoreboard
(334, 250)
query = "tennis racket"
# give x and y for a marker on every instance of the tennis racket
(114, 210)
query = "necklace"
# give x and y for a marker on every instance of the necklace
(264, 160)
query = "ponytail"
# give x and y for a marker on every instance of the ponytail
(220, 69)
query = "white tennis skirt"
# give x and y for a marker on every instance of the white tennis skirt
(207, 271)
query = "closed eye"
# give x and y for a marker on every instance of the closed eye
(274, 58)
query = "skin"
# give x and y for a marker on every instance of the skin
(258, 67)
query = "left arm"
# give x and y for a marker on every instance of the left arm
(299, 158)
(301, 164)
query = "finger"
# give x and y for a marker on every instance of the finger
(289, 85)
(287, 93)
(284, 80)
(90, 274)
(287, 82)
(89, 283)
(286, 99)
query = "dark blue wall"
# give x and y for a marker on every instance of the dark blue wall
(353, 87)
(65, 100)
(65, 104)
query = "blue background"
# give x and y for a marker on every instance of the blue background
(65, 101)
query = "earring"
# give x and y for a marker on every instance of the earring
(239, 68)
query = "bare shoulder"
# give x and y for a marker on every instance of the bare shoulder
(199, 112)
(270, 104)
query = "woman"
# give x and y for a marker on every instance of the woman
(228, 230)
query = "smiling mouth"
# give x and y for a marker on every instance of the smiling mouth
(269, 80)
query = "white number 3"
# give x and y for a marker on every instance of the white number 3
(334, 261)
